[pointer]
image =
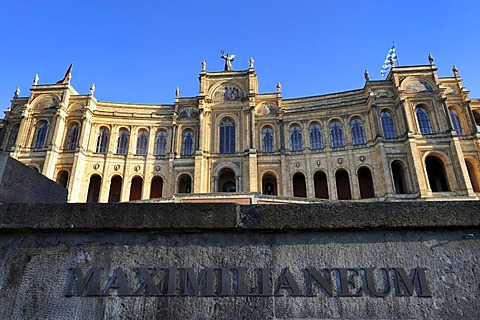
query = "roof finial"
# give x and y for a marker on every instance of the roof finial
(279, 87)
(204, 66)
(251, 63)
(35, 80)
(92, 89)
(16, 93)
(177, 93)
(366, 75)
(430, 59)
(455, 71)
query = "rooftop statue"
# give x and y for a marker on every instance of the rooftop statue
(228, 60)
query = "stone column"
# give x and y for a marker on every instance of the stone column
(173, 143)
(282, 136)
(252, 127)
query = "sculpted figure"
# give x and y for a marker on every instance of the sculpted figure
(228, 60)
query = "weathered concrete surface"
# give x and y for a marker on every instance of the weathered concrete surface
(21, 184)
(39, 243)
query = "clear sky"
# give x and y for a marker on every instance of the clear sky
(140, 51)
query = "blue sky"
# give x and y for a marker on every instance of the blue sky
(140, 51)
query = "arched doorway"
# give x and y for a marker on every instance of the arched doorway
(299, 185)
(62, 178)
(343, 185)
(136, 187)
(269, 184)
(321, 185)
(115, 189)
(472, 173)
(156, 187)
(436, 174)
(365, 181)
(94, 188)
(227, 181)
(184, 184)
(398, 177)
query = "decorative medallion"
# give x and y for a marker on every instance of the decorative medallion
(382, 93)
(450, 90)
(116, 167)
(96, 166)
(157, 168)
(267, 109)
(76, 107)
(227, 93)
(188, 112)
(340, 160)
(48, 102)
(362, 158)
(418, 85)
(136, 168)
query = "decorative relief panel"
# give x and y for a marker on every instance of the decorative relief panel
(227, 93)
(267, 108)
(382, 93)
(188, 112)
(47, 102)
(418, 85)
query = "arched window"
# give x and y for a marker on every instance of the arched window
(455, 121)
(365, 181)
(13, 137)
(160, 148)
(142, 143)
(94, 188)
(71, 142)
(136, 187)
(358, 132)
(102, 140)
(476, 116)
(296, 138)
(62, 178)
(423, 120)
(41, 134)
(156, 187)
(343, 185)
(184, 184)
(227, 136)
(267, 139)
(321, 185)
(122, 142)
(187, 142)
(299, 185)
(387, 125)
(398, 177)
(269, 184)
(336, 134)
(436, 174)
(227, 181)
(115, 189)
(316, 141)
(472, 169)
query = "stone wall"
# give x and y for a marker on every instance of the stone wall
(225, 261)
(21, 184)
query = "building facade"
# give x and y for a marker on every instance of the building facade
(410, 136)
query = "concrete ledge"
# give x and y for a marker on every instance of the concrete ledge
(232, 217)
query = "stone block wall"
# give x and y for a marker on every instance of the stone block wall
(224, 261)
